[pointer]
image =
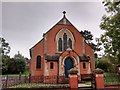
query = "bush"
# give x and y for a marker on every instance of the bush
(16, 66)
(102, 65)
(13, 65)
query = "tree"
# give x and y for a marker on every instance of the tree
(5, 49)
(107, 63)
(17, 64)
(111, 25)
(102, 65)
(87, 35)
(5, 62)
(88, 38)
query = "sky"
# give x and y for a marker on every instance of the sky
(23, 23)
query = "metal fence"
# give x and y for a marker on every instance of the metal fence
(8, 81)
(13, 80)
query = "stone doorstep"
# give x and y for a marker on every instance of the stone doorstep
(83, 85)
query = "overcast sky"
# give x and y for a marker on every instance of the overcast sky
(23, 23)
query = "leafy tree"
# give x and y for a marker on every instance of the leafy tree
(5, 49)
(107, 63)
(111, 25)
(102, 65)
(87, 35)
(88, 38)
(17, 64)
(5, 62)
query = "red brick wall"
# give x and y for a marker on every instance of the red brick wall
(37, 50)
(50, 79)
(62, 79)
(89, 52)
(82, 70)
(99, 79)
(37, 79)
(51, 43)
(73, 81)
(53, 71)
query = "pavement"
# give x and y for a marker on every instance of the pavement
(83, 85)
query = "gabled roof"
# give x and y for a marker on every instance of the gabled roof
(53, 57)
(63, 21)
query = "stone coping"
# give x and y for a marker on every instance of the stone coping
(73, 71)
(98, 71)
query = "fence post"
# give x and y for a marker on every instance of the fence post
(25, 78)
(6, 80)
(29, 78)
(20, 77)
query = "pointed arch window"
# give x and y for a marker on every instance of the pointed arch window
(70, 43)
(60, 44)
(38, 62)
(65, 41)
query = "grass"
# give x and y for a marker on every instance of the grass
(88, 83)
(39, 85)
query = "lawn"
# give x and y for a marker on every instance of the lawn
(39, 85)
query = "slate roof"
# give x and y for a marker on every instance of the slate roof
(84, 58)
(54, 57)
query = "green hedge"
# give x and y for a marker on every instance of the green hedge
(111, 78)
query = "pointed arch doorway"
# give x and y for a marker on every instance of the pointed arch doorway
(68, 65)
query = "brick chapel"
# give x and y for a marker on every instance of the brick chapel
(62, 47)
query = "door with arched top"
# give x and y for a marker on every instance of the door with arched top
(68, 65)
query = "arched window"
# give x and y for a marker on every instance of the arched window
(65, 41)
(38, 62)
(70, 43)
(60, 44)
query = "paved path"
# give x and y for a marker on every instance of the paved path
(83, 85)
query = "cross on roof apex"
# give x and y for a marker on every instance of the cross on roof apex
(64, 12)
